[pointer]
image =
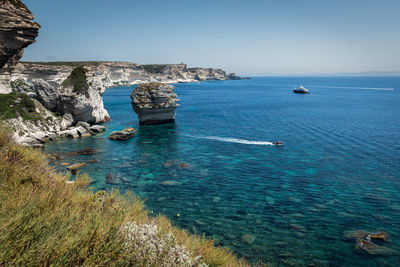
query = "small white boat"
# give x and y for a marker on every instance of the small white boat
(301, 90)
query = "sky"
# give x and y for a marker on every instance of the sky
(251, 37)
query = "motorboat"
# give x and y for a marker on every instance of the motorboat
(277, 143)
(301, 90)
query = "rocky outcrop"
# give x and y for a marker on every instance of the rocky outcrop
(154, 103)
(17, 31)
(125, 134)
(63, 96)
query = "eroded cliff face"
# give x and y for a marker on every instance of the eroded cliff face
(17, 31)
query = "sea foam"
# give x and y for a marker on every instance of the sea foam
(235, 140)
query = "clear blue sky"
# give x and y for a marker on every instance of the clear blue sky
(247, 37)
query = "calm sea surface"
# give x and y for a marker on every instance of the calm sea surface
(338, 170)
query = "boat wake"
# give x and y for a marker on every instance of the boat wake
(359, 88)
(234, 140)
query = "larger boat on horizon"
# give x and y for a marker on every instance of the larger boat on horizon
(301, 90)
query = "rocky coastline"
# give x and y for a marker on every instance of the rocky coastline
(43, 101)
(66, 93)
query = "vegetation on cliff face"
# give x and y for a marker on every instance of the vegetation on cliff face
(148, 86)
(154, 68)
(78, 80)
(14, 105)
(46, 221)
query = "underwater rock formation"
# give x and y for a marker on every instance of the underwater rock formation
(154, 103)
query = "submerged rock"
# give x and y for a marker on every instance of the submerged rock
(109, 178)
(154, 103)
(170, 183)
(382, 236)
(362, 234)
(371, 248)
(76, 166)
(184, 166)
(248, 239)
(87, 151)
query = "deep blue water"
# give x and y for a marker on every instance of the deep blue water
(338, 170)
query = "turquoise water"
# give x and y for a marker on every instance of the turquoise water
(338, 170)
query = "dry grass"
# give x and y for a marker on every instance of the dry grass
(45, 221)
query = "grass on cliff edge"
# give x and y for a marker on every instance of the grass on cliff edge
(150, 86)
(45, 221)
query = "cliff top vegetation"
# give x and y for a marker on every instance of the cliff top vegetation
(14, 105)
(78, 80)
(149, 86)
(46, 221)
(154, 68)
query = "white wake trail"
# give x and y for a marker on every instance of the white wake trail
(234, 140)
(358, 88)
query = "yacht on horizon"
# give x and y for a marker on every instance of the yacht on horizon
(301, 90)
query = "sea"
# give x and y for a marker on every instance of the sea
(215, 171)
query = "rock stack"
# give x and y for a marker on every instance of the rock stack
(154, 103)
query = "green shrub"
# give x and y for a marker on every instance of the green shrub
(19, 84)
(78, 80)
(14, 105)
(154, 68)
(148, 86)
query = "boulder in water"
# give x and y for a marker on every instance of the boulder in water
(125, 134)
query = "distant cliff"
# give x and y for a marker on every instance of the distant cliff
(120, 73)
